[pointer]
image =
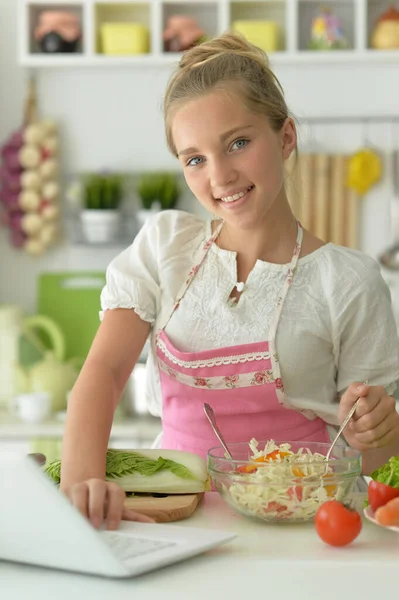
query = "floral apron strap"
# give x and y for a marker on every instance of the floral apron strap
(200, 257)
(280, 303)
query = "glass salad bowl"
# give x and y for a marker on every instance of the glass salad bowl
(283, 480)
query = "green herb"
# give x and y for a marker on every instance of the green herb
(158, 187)
(102, 191)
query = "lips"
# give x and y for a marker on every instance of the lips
(235, 196)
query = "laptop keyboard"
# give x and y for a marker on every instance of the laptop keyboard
(126, 547)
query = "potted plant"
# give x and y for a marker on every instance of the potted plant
(102, 197)
(157, 191)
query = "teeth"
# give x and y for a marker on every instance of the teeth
(236, 196)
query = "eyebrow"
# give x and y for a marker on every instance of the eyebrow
(223, 138)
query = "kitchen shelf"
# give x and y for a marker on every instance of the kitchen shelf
(215, 16)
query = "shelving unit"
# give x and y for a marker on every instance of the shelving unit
(215, 16)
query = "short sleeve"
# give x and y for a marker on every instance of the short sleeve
(132, 279)
(366, 343)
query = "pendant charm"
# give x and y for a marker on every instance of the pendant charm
(240, 286)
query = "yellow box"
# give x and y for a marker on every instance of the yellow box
(264, 34)
(124, 38)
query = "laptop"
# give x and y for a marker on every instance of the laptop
(39, 526)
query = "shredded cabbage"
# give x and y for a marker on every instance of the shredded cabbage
(283, 487)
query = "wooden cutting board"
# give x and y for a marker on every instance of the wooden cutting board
(174, 507)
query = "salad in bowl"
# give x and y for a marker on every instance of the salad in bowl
(283, 480)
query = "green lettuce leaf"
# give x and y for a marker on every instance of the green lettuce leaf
(120, 463)
(388, 473)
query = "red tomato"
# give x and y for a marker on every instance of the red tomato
(336, 524)
(275, 507)
(296, 492)
(380, 494)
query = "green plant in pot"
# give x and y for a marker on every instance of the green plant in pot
(157, 191)
(102, 198)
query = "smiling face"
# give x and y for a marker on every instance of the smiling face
(232, 158)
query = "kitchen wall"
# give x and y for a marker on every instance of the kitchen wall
(112, 118)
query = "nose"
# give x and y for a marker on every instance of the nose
(222, 173)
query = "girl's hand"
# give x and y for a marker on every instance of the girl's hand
(375, 423)
(100, 501)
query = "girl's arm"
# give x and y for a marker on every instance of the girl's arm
(95, 396)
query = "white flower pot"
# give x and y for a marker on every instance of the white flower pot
(100, 226)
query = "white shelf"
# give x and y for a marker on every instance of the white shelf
(215, 16)
(305, 57)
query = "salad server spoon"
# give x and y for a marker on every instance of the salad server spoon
(208, 410)
(344, 424)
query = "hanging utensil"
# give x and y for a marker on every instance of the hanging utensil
(208, 410)
(390, 258)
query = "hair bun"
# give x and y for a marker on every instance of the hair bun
(231, 43)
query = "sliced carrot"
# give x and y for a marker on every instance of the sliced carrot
(298, 472)
(388, 515)
(246, 469)
(261, 459)
(272, 456)
(330, 489)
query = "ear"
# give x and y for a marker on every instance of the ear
(288, 138)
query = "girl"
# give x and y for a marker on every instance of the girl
(246, 311)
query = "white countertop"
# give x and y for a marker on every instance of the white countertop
(140, 428)
(281, 562)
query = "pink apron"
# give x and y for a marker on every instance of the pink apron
(242, 384)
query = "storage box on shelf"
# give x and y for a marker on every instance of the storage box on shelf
(264, 23)
(122, 29)
(287, 29)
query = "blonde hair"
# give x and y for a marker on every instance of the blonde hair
(218, 64)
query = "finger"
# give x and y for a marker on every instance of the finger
(131, 515)
(97, 497)
(382, 435)
(115, 500)
(353, 393)
(369, 402)
(79, 495)
(375, 417)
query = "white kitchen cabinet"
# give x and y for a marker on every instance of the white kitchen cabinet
(215, 16)
(22, 438)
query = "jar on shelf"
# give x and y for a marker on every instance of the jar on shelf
(58, 31)
(385, 35)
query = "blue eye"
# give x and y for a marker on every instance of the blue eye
(191, 163)
(239, 144)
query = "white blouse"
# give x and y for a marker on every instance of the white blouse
(336, 326)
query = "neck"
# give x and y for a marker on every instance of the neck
(272, 240)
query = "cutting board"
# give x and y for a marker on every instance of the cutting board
(72, 300)
(167, 508)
